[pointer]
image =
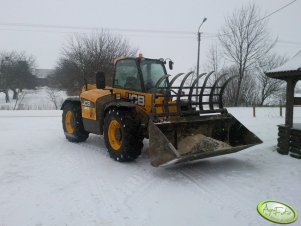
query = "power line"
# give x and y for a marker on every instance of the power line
(263, 18)
(131, 32)
(42, 31)
(174, 32)
(150, 35)
(276, 11)
(287, 42)
(96, 28)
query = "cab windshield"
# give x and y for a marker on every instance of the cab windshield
(152, 71)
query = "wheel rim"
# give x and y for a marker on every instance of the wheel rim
(114, 134)
(69, 122)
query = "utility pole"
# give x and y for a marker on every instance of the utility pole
(198, 60)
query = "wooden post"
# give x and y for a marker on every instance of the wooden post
(289, 111)
(283, 140)
(280, 103)
(254, 113)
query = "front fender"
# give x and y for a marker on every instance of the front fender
(120, 104)
(70, 100)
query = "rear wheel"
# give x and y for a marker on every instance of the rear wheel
(72, 123)
(123, 135)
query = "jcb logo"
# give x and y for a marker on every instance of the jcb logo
(87, 103)
(137, 99)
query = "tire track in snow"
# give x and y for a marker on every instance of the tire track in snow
(137, 183)
(193, 177)
(140, 179)
(96, 144)
(132, 190)
(136, 187)
(99, 191)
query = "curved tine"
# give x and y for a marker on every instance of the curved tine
(192, 86)
(223, 89)
(180, 91)
(164, 77)
(182, 84)
(203, 89)
(175, 78)
(213, 89)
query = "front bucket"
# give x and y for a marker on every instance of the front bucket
(196, 138)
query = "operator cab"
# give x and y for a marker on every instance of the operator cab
(139, 74)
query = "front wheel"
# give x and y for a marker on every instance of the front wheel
(72, 123)
(123, 135)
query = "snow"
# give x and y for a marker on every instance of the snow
(40, 99)
(293, 64)
(46, 180)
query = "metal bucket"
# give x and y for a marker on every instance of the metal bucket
(197, 137)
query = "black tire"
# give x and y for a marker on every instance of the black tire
(73, 124)
(123, 135)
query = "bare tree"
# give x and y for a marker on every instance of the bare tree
(19, 100)
(215, 62)
(229, 93)
(245, 40)
(4, 85)
(5, 91)
(83, 55)
(54, 97)
(249, 90)
(268, 86)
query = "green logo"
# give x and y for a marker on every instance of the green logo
(277, 212)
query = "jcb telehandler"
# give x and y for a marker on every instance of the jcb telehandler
(144, 102)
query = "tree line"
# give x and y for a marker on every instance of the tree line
(243, 48)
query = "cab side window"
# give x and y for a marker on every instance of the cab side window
(126, 75)
(152, 71)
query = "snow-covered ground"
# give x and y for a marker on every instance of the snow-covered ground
(43, 98)
(46, 180)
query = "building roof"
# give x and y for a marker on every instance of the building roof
(291, 68)
(43, 73)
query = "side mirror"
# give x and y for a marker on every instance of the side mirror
(170, 65)
(100, 80)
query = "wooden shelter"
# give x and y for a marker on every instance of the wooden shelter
(289, 140)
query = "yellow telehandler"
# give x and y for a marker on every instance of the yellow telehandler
(144, 102)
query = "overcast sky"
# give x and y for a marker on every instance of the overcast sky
(156, 15)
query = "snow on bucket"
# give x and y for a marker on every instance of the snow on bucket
(196, 138)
